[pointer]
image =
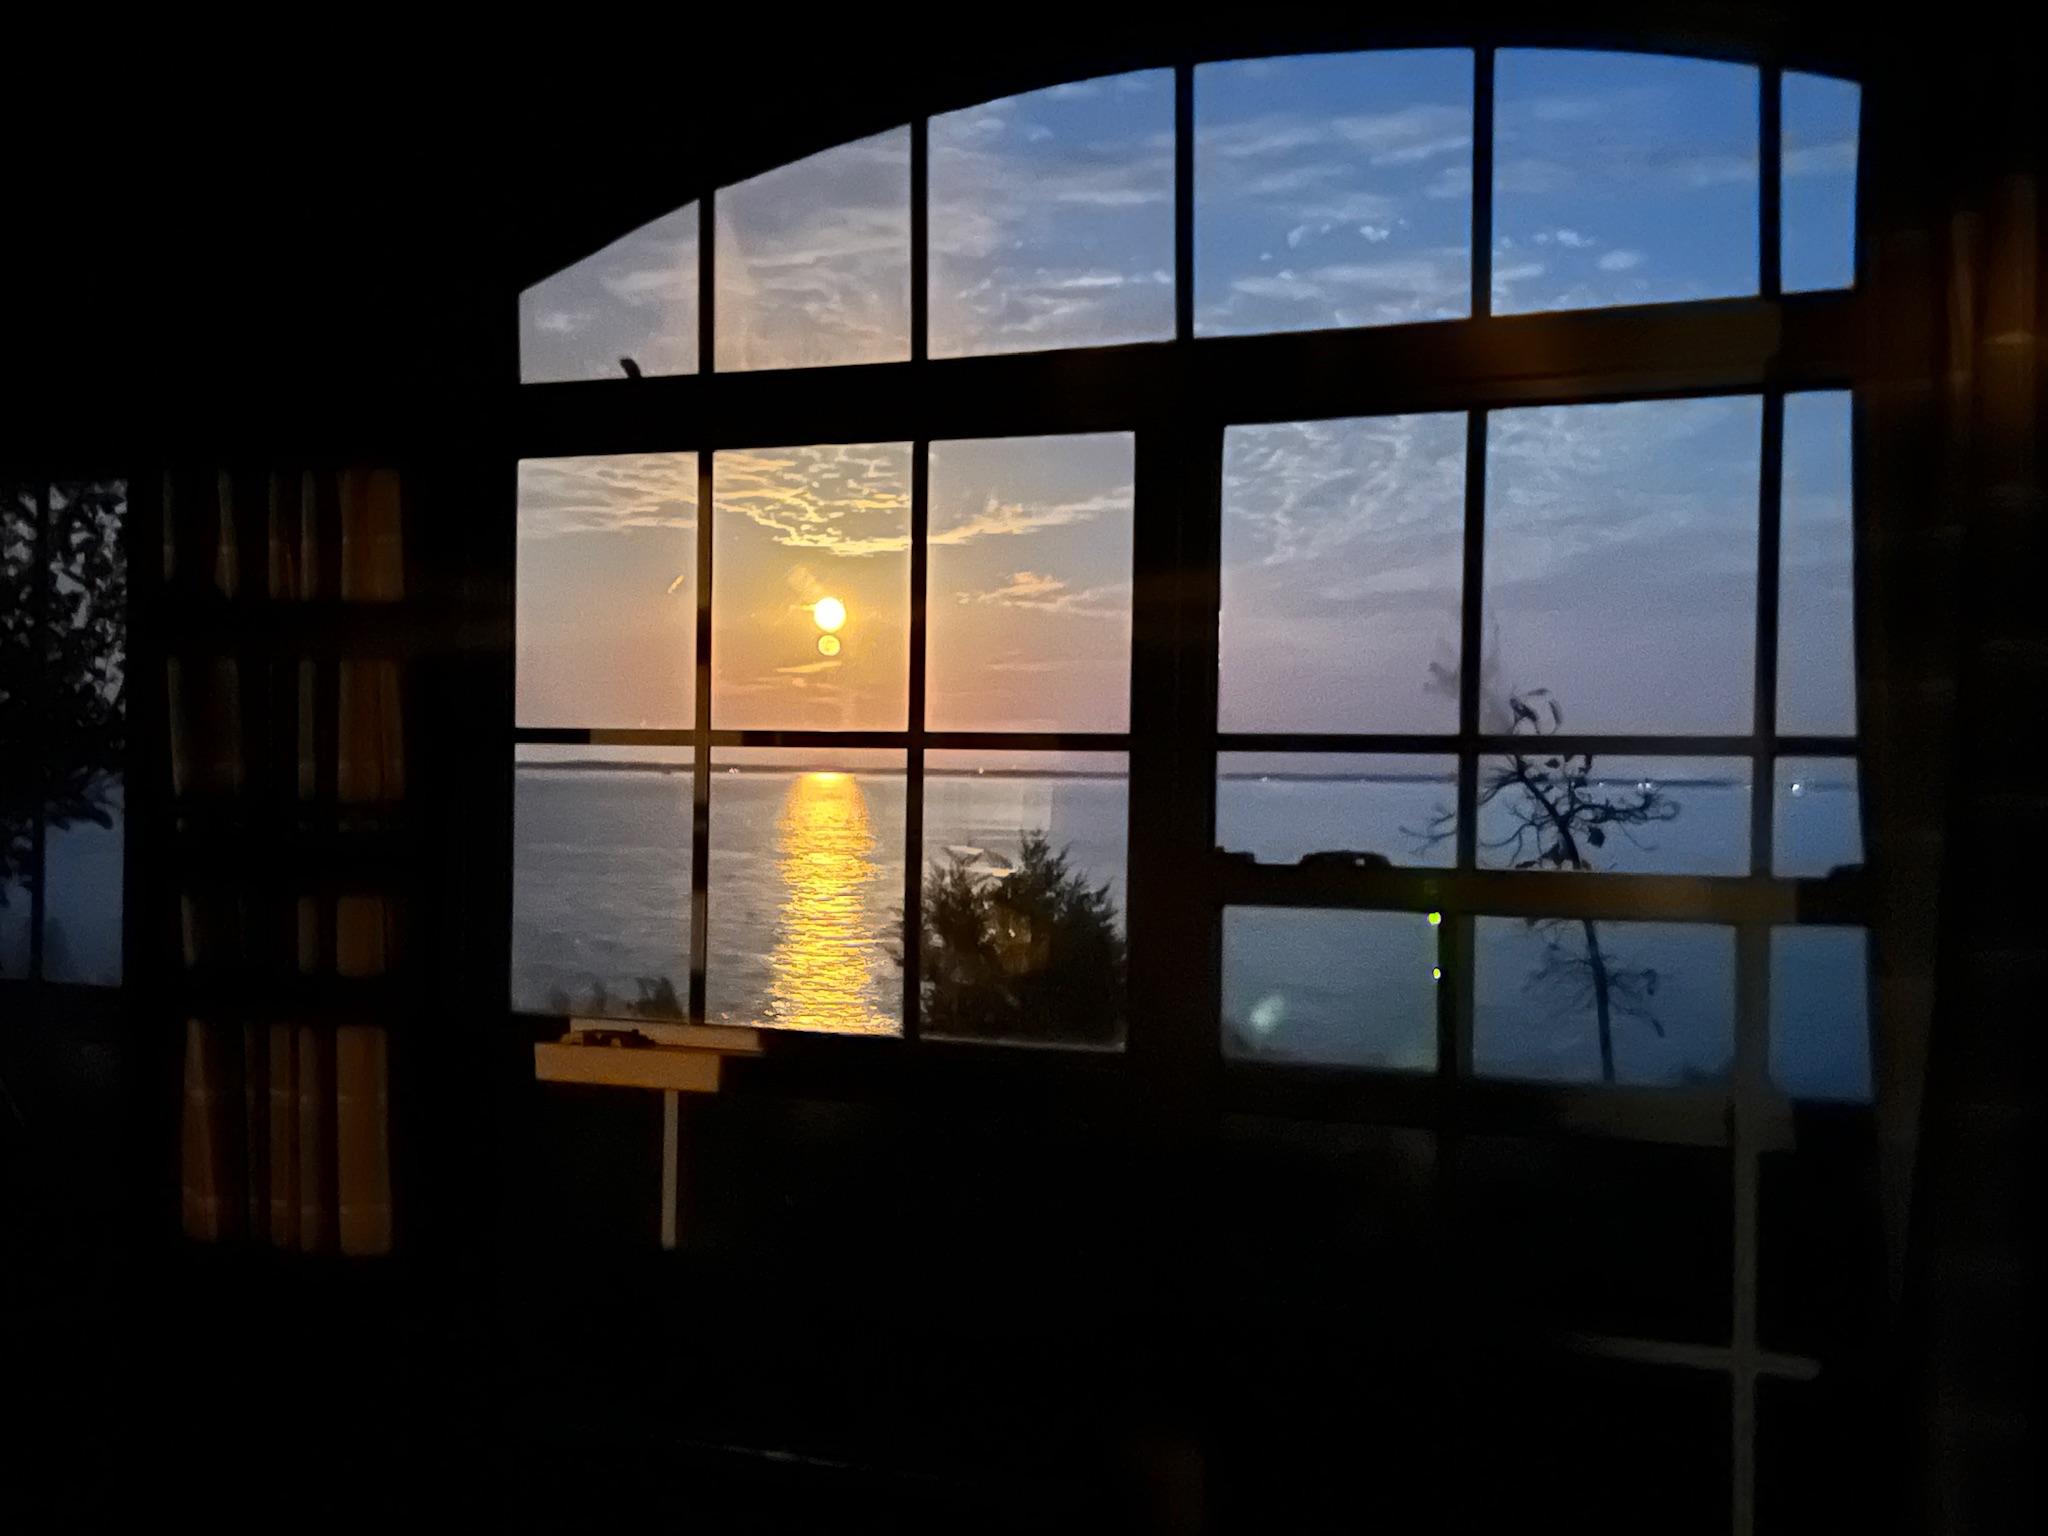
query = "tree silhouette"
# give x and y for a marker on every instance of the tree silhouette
(1559, 816)
(63, 645)
(1028, 952)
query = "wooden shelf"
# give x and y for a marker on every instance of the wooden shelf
(679, 1069)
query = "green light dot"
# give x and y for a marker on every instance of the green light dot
(1435, 918)
(1436, 973)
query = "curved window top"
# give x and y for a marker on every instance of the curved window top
(813, 260)
(1052, 218)
(1329, 191)
(633, 302)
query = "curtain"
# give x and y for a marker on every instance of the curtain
(287, 750)
(1952, 653)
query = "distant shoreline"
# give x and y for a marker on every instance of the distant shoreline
(590, 765)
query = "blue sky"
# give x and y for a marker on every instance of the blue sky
(1330, 190)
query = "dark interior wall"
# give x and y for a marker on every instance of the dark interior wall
(321, 258)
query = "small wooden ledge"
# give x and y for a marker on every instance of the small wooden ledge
(622, 1053)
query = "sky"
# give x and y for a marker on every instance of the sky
(1330, 190)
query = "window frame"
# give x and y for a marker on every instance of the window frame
(1177, 398)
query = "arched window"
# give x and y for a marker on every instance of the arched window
(1329, 578)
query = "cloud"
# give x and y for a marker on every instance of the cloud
(814, 259)
(608, 494)
(1035, 592)
(1048, 215)
(848, 500)
(1619, 261)
(998, 518)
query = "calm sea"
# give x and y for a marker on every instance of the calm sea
(806, 890)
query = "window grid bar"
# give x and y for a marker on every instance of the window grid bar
(920, 239)
(1770, 173)
(39, 703)
(1471, 639)
(1482, 181)
(1184, 202)
(1770, 484)
(700, 741)
(913, 759)
(937, 741)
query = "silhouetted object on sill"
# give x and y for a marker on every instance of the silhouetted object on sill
(632, 368)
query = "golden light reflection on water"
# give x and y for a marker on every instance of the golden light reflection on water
(825, 955)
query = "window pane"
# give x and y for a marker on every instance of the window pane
(635, 300)
(1818, 223)
(84, 672)
(1023, 904)
(1627, 815)
(1028, 620)
(1052, 218)
(814, 260)
(810, 608)
(607, 591)
(806, 891)
(82, 872)
(1817, 816)
(1669, 1012)
(1820, 1013)
(1621, 178)
(1282, 806)
(601, 845)
(1817, 571)
(1333, 189)
(1342, 558)
(1353, 989)
(1621, 565)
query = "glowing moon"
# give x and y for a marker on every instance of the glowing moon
(828, 613)
(828, 645)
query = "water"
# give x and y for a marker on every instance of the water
(806, 892)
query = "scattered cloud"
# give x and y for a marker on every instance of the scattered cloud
(1619, 261)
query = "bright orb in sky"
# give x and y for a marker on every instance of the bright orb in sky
(828, 613)
(828, 645)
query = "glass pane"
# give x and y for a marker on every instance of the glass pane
(1343, 547)
(1621, 178)
(601, 846)
(1818, 219)
(84, 666)
(1817, 570)
(1628, 815)
(606, 608)
(1052, 218)
(19, 793)
(1028, 618)
(82, 872)
(1562, 1000)
(1820, 1013)
(810, 608)
(1333, 189)
(1817, 816)
(1352, 989)
(1282, 806)
(1621, 565)
(1023, 904)
(806, 891)
(814, 260)
(633, 302)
